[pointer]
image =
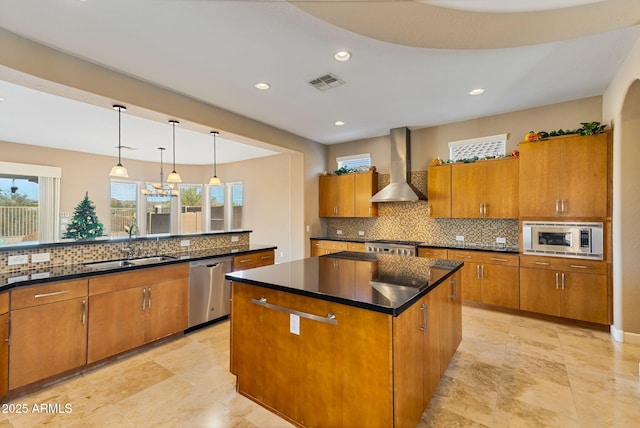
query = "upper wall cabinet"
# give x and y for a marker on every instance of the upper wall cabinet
(347, 195)
(439, 191)
(566, 177)
(485, 189)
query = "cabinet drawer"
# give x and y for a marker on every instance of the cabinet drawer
(433, 253)
(356, 246)
(485, 257)
(252, 260)
(137, 278)
(48, 293)
(568, 265)
(330, 245)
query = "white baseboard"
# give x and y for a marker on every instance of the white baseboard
(624, 337)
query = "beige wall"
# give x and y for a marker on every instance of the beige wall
(429, 142)
(36, 65)
(619, 110)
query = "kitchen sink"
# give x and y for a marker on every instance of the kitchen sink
(115, 264)
(150, 260)
(111, 264)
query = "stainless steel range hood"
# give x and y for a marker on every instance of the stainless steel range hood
(398, 190)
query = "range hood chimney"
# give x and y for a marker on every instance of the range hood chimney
(398, 190)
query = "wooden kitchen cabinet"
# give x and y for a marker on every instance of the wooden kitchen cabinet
(489, 277)
(253, 260)
(566, 176)
(432, 253)
(133, 308)
(48, 331)
(4, 343)
(569, 288)
(347, 195)
(320, 247)
(485, 189)
(439, 191)
(421, 359)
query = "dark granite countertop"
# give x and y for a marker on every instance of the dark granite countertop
(383, 283)
(57, 273)
(462, 246)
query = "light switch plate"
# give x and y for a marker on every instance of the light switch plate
(361, 233)
(40, 257)
(339, 232)
(185, 243)
(460, 238)
(294, 324)
(234, 238)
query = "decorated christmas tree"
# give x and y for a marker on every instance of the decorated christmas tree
(84, 225)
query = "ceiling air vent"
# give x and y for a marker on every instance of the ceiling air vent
(326, 82)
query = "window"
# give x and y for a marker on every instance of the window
(216, 208)
(124, 205)
(360, 162)
(158, 213)
(483, 147)
(236, 189)
(190, 209)
(29, 203)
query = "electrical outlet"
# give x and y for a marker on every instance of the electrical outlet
(234, 238)
(18, 260)
(308, 228)
(361, 233)
(40, 257)
(294, 324)
(460, 238)
(40, 275)
(501, 240)
(339, 232)
(185, 243)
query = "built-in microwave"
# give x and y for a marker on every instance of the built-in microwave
(582, 240)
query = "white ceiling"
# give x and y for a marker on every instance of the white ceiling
(215, 51)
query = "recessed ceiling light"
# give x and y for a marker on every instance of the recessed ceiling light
(263, 86)
(338, 123)
(342, 56)
(476, 91)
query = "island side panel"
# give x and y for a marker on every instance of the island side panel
(328, 375)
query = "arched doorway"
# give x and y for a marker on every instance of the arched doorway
(627, 230)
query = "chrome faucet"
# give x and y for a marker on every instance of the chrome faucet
(130, 230)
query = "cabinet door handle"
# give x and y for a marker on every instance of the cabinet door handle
(463, 257)
(556, 280)
(454, 286)
(580, 267)
(330, 318)
(540, 263)
(8, 339)
(84, 312)
(144, 297)
(563, 280)
(496, 259)
(484, 210)
(54, 293)
(481, 212)
(557, 206)
(265, 257)
(428, 210)
(562, 210)
(149, 298)
(245, 261)
(478, 271)
(425, 316)
(482, 271)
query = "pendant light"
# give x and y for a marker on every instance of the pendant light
(214, 181)
(174, 177)
(119, 170)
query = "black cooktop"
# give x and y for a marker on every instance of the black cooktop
(391, 241)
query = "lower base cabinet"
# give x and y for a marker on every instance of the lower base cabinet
(489, 277)
(48, 331)
(4, 343)
(421, 359)
(134, 308)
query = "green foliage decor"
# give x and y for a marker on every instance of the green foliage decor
(84, 225)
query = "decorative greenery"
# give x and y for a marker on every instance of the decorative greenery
(343, 170)
(591, 128)
(84, 225)
(587, 128)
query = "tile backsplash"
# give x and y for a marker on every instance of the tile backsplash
(72, 253)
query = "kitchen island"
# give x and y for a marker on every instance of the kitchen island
(347, 339)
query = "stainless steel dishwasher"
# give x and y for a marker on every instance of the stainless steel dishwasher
(209, 291)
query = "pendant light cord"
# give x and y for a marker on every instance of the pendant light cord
(119, 135)
(174, 145)
(215, 164)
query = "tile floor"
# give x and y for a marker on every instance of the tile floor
(509, 371)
